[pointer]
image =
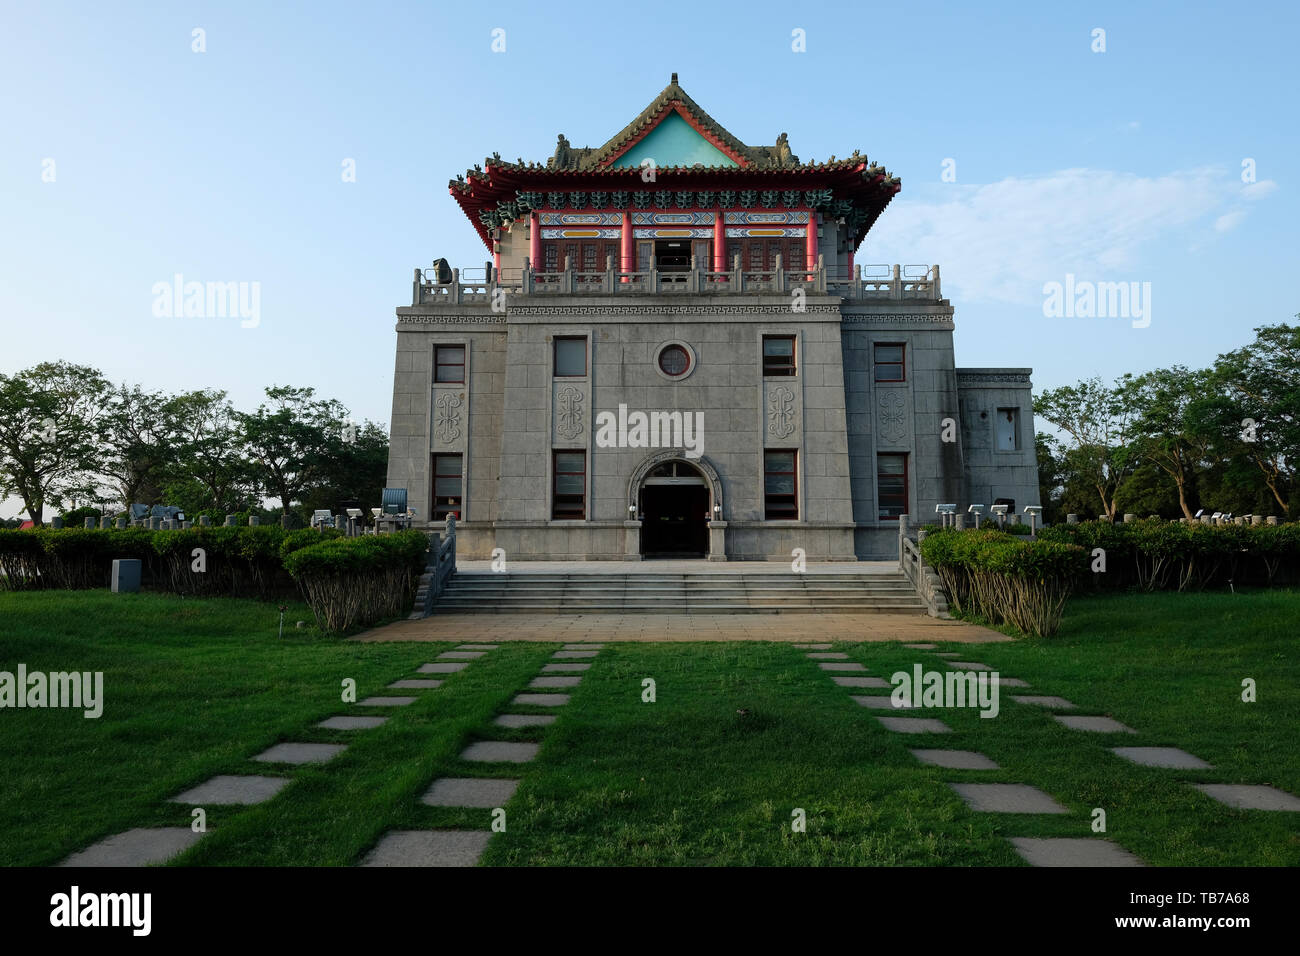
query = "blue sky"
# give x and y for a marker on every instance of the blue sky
(226, 165)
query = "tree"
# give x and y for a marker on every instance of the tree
(1096, 418)
(290, 439)
(210, 452)
(1166, 405)
(1259, 416)
(142, 433)
(50, 417)
(354, 467)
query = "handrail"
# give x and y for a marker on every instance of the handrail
(900, 282)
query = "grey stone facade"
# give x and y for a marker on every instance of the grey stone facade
(514, 429)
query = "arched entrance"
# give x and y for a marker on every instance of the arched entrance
(674, 504)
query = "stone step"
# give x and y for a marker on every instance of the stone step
(785, 607)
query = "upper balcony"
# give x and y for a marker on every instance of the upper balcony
(863, 283)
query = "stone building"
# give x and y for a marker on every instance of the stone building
(673, 352)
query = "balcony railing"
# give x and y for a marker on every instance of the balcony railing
(481, 286)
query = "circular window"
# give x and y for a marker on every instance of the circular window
(674, 360)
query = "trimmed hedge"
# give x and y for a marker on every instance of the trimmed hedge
(1005, 578)
(358, 581)
(1152, 555)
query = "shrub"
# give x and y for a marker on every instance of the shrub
(1006, 579)
(358, 581)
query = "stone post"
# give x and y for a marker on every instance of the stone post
(121, 522)
(254, 521)
(717, 540)
(286, 521)
(959, 521)
(230, 521)
(56, 523)
(186, 525)
(340, 522)
(1129, 517)
(155, 524)
(1271, 520)
(631, 540)
(1207, 519)
(105, 521)
(89, 523)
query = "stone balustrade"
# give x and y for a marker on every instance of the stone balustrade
(897, 283)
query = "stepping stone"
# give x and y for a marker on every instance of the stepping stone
(415, 684)
(352, 723)
(811, 647)
(477, 647)
(948, 654)
(565, 668)
(524, 720)
(841, 667)
(1170, 757)
(1052, 703)
(883, 703)
(875, 683)
(1006, 798)
(583, 647)
(1072, 851)
(555, 682)
(469, 792)
(500, 751)
(1249, 797)
(386, 702)
(138, 847)
(1008, 681)
(915, 725)
(969, 666)
(460, 655)
(573, 655)
(955, 759)
(828, 656)
(301, 753)
(542, 700)
(446, 668)
(921, 647)
(428, 848)
(1097, 725)
(233, 789)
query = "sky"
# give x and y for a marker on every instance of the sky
(1026, 155)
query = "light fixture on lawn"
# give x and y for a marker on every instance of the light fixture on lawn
(1001, 512)
(976, 510)
(1034, 511)
(946, 514)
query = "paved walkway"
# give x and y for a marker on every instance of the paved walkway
(682, 627)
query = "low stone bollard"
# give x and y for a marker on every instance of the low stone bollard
(56, 523)
(254, 521)
(155, 524)
(186, 525)
(340, 522)
(1271, 519)
(1129, 518)
(89, 523)
(959, 521)
(230, 521)
(1071, 519)
(121, 523)
(1256, 519)
(126, 575)
(106, 522)
(204, 521)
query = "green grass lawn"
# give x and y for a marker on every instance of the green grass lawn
(195, 688)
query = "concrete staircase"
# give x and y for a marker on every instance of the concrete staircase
(486, 592)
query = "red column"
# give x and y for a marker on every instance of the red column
(810, 247)
(534, 242)
(626, 249)
(850, 275)
(719, 244)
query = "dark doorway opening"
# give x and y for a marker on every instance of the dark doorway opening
(675, 524)
(673, 255)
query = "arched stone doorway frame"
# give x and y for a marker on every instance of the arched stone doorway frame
(717, 508)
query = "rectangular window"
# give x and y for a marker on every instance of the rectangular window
(449, 363)
(778, 355)
(889, 363)
(570, 485)
(1008, 429)
(570, 356)
(551, 256)
(780, 485)
(891, 486)
(447, 484)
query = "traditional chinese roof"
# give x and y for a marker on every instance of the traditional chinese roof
(500, 191)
